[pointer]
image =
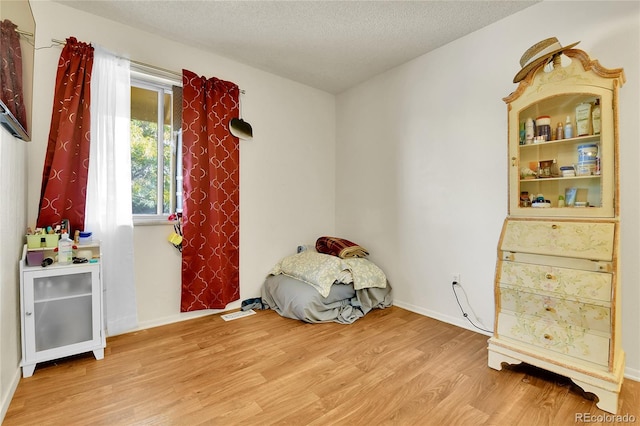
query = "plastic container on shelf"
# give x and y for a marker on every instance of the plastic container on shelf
(543, 127)
(587, 157)
(587, 153)
(567, 171)
(85, 238)
(35, 258)
(585, 169)
(35, 241)
(52, 240)
(86, 254)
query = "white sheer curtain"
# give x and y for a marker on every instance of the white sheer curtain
(108, 209)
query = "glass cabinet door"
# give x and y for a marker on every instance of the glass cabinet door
(552, 174)
(61, 308)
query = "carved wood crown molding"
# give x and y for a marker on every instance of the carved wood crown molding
(587, 64)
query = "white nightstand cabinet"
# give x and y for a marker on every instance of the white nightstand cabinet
(61, 310)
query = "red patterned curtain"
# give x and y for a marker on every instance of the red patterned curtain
(64, 177)
(11, 71)
(211, 214)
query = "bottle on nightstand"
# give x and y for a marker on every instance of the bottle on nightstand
(65, 250)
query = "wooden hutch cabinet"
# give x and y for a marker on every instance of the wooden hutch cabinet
(557, 282)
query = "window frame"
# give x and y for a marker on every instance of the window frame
(145, 78)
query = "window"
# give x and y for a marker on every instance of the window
(156, 160)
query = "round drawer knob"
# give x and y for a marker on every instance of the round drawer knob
(554, 226)
(548, 337)
(549, 276)
(28, 314)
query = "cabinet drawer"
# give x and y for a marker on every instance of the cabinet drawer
(572, 341)
(564, 312)
(564, 281)
(583, 240)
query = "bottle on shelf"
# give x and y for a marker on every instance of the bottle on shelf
(530, 131)
(595, 117)
(560, 200)
(559, 132)
(583, 119)
(65, 250)
(568, 128)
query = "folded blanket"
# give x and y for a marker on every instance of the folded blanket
(340, 247)
(321, 271)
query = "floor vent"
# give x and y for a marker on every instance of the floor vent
(237, 314)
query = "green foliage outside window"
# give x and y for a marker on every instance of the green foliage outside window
(144, 167)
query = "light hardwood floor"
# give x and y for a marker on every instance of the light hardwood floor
(391, 367)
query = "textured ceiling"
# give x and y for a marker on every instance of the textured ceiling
(329, 45)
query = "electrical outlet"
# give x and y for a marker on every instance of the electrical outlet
(456, 277)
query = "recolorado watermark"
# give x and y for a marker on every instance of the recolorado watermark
(604, 418)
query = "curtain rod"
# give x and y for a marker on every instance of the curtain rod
(24, 33)
(61, 42)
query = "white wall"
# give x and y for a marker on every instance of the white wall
(13, 178)
(286, 171)
(13, 212)
(429, 138)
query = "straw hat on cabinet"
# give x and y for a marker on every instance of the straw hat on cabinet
(543, 51)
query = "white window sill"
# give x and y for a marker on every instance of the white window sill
(152, 220)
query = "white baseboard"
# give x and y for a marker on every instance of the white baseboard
(632, 373)
(169, 320)
(183, 316)
(458, 322)
(629, 373)
(6, 398)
